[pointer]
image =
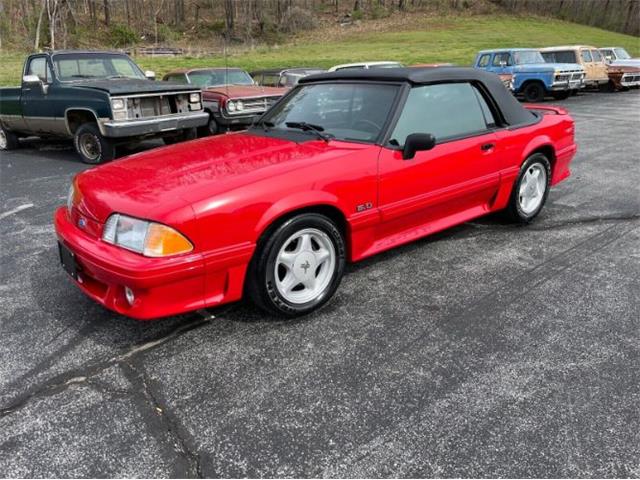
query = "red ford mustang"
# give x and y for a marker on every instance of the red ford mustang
(346, 165)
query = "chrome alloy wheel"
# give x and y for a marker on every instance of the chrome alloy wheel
(3, 140)
(89, 146)
(532, 188)
(305, 266)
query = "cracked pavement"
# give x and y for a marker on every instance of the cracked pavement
(488, 350)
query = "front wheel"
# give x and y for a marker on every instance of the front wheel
(92, 147)
(211, 128)
(298, 267)
(534, 92)
(530, 190)
(8, 140)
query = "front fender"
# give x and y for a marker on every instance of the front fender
(293, 202)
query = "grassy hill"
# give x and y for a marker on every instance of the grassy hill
(409, 39)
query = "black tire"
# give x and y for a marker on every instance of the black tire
(92, 147)
(534, 92)
(8, 140)
(260, 284)
(183, 136)
(210, 129)
(515, 211)
(563, 95)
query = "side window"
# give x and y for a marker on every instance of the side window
(177, 79)
(595, 54)
(549, 57)
(489, 117)
(40, 67)
(501, 57)
(484, 60)
(586, 56)
(446, 111)
(609, 53)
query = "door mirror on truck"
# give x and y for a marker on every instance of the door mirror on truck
(150, 74)
(34, 81)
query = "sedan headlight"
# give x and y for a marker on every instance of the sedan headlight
(231, 106)
(148, 238)
(194, 97)
(118, 104)
(239, 105)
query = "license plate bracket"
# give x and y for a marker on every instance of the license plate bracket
(68, 261)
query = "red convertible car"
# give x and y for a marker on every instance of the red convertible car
(346, 165)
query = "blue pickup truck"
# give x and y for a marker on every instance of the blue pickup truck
(100, 99)
(532, 77)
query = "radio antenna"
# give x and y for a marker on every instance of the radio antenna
(226, 66)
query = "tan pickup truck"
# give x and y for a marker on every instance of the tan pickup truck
(589, 57)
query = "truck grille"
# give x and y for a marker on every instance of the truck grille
(157, 106)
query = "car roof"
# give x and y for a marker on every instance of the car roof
(513, 111)
(67, 52)
(203, 69)
(566, 47)
(285, 70)
(358, 64)
(496, 50)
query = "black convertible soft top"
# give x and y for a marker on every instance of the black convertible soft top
(513, 112)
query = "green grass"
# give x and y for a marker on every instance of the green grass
(442, 39)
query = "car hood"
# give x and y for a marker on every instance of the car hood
(245, 91)
(155, 183)
(632, 62)
(623, 68)
(122, 86)
(545, 67)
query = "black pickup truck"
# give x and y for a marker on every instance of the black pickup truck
(100, 99)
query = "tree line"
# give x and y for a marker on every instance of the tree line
(37, 24)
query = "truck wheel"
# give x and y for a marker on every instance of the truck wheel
(8, 140)
(183, 136)
(530, 190)
(534, 92)
(297, 268)
(92, 147)
(211, 128)
(561, 95)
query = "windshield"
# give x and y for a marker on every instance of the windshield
(214, 78)
(526, 57)
(622, 54)
(95, 65)
(355, 112)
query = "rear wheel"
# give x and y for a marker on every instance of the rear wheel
(298, 267)
(92, 147)
(531, 189)
(534, 92)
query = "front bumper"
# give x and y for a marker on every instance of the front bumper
(236, 122)
(153, 126)
(567, 85)
(162, 286)
(630, 80)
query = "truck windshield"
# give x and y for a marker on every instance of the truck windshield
(77, 66)
(214, 78)
(356, 112)
(622, 54)
(526, 57)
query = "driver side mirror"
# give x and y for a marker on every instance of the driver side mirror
(608, 58)
(417, 142)
(34, 81)
(503, 64)
(150, 74)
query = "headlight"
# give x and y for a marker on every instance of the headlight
(148, 238)
(231, 106)
(194, 97)
(239, 105)
(118, 104)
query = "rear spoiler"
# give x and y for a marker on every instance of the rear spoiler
(546, 109)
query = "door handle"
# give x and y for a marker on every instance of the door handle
(487, 146)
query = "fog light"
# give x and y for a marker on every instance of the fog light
(128, 293)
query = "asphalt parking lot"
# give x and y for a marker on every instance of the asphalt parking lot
(487, 350)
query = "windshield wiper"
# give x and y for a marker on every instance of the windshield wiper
(310, 127)
(116, 76)
(83, 76)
